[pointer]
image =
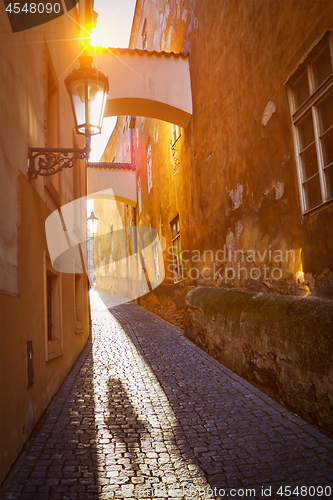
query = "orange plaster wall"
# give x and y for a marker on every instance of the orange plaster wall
(22, 319)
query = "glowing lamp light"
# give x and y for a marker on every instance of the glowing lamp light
(92, 223)
(87, 88)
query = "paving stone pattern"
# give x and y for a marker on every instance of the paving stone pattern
(146, 414)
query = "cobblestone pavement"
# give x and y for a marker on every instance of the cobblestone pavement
(146, 414)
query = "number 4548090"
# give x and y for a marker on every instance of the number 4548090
(305, 491)
(33, 8)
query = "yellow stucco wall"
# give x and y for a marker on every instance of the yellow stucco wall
(22, 319)
(24, 205)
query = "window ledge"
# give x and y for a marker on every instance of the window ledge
(178, 281)
(55, 354)
(79, 327)
(319, 208)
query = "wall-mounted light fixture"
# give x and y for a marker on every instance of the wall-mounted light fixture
(87, 88)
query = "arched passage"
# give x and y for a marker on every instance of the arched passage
(151, 84)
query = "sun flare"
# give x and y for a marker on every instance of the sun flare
(100, 38)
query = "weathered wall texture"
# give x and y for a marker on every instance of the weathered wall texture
(282, 344)
(167, 302)
(231, 176)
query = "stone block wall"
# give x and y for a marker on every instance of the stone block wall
(281, 344)
(167, 302)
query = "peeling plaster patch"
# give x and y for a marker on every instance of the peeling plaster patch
(237, 196)
(279, 189)
(168, 40)
(187, 46)
(230, 238)
(194, 23)
(269, 110)
(162, 238)
(257, 206)
(156, 134)
(184, 15)
(163, 242)
(209, 156)
(156, 42)
(239, 228)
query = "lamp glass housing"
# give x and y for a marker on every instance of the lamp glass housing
(87, 89)
(92, 223)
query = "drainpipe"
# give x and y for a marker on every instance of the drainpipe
(131, 128)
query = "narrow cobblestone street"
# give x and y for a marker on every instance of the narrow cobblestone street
(146, 414)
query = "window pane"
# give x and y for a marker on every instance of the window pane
(49, 307)
(179, 248)
(174, 226)
(305, 131)
(175, 248)
(312, 193)
(301, 90)
(327, 146)
(329, 181)
(325, 111)
(309, 162)
(322, 67)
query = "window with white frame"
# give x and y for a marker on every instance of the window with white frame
(177, 249)
(111, 239)
(139, 196)
(52, 310)
(144, 36)
(149, 169)
(176, 132)
(78, 291)
(156, 264)
(311, 104)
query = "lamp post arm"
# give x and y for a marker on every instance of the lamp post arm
(50, 161)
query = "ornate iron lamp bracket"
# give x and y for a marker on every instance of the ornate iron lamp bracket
(49, 161)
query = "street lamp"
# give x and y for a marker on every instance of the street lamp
(87, 88)
(92, 223)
